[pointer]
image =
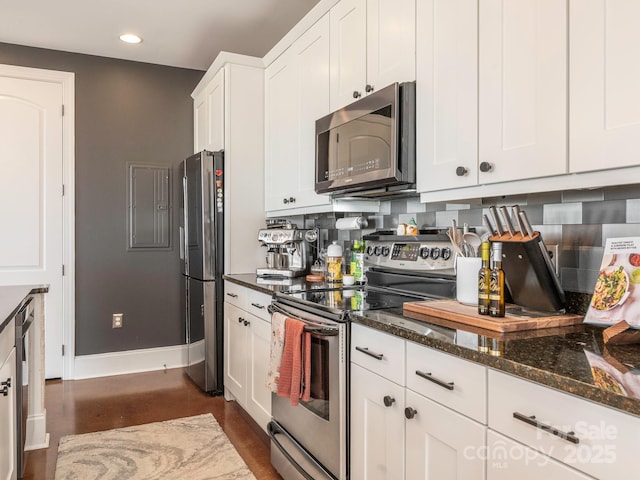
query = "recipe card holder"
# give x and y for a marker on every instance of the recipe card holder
(529, 273)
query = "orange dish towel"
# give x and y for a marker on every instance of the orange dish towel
(295, 368)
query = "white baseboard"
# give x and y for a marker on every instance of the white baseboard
(130, 361)
(36, 435)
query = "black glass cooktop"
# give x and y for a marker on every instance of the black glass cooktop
(348, 299)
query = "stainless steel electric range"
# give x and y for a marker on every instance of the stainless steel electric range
(310, 441)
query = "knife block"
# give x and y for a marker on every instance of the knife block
(529, 273)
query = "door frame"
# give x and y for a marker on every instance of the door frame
(67, 81)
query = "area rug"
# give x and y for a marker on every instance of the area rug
(193, 448)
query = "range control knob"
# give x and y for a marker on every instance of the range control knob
(377, 250)
(445, 253)
(435, 253)
(385, 251)
(369, 250)
(424, 252)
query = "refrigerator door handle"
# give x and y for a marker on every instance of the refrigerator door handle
(212, 209)
(184, 231)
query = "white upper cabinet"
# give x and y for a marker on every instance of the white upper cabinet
(604, 79)
(208, 116)
(372, 46)
(513, 54)
(447, 94)
(523, 89)
(297, 94)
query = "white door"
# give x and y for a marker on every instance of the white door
(259, 352)
(208, 115)
(447, 94)
(604, 76)
(522, 89)
(391, 42)
(31, 212)
(312, 64)
(348, 52)
(441, 443)
(235, 354)
(377, 426)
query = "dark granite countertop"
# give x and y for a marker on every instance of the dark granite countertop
(13, 297)
(556, 357)
(271, 286)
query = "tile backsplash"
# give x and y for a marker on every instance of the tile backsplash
(578, 221)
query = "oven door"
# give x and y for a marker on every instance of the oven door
(316, 427)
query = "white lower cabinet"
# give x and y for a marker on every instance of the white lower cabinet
(8, 470)
(441, 443)
(396, 432)
(508, 460)
(377, 426)
(246, 358)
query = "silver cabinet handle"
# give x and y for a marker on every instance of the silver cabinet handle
(365, 350)
(568, 436)
(232, 295)
(431, 378)
(246, 323)
(388, 400)
(409, 413)
(257, 305)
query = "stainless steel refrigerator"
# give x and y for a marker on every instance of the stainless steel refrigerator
(202, 252)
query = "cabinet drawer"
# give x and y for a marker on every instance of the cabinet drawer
(257, 304)
(453, 382)
(592, 438)
(378, 352)
(236, 295)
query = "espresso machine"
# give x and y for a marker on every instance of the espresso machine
(288, 250)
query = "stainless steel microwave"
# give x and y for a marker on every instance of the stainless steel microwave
(369, 146)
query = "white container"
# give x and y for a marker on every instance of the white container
(467, 269)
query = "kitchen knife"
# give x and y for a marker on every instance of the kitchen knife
(543, 249)
(516, 215)
(487, 224)
(496, 220)
(507, 220)
(525, 223)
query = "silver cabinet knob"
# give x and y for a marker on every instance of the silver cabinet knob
(486, 167)
(356, 94)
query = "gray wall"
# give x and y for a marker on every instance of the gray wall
(125, 112)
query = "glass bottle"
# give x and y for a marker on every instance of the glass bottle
(357, 261)
(484, 281)
(496, 295)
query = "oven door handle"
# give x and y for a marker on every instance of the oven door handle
(274, 430)
(322, 331)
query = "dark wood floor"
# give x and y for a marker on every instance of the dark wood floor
(93, 405)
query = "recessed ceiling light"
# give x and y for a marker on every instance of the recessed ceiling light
(130, 38)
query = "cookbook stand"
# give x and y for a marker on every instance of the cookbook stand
(529, 273)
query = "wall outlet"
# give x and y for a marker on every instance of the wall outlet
(554, 255)
(118, 319)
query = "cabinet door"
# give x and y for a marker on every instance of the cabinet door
(507, 460)
(523, 89)
(348, 52)
(258, 352)
(312, 59)
(604, 77)
(8, 468)
(377, 430)
(209, 115)
(235, 352)
(281, 123)
(391, 42)
(441, 443)
(447, 94)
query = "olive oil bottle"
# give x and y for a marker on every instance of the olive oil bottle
(496, 294)
(484, 275)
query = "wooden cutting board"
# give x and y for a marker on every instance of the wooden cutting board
(452, 310)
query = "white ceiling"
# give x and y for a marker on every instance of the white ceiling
(187, 33)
